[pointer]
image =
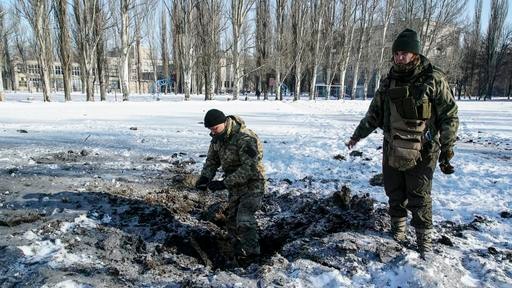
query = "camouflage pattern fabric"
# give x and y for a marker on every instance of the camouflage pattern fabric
(239, 153)
(410, 189)
(241, 223)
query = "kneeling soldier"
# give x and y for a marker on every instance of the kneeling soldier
(239, 152)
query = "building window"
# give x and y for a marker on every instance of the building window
(35, 82)
(20, 68)
(33, 69)
(75, 71)
(22, 82)
(58, 70)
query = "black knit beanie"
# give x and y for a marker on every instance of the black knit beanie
(214, 117)
(408, 41)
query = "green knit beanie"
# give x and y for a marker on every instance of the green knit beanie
(408, 41)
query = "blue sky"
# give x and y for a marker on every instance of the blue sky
(486, 12)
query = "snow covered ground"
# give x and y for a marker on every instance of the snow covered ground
(300, 141)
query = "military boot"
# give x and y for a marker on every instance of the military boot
(424, 242)
(398, 227)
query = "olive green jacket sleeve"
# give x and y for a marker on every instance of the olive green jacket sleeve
(373, 119)
(212, 163)
(446, 118)
(250, 154)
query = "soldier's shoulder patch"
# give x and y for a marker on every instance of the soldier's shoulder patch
(250, 151)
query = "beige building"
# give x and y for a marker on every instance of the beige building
(26, 77)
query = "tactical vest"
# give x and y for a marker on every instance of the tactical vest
(410, 109)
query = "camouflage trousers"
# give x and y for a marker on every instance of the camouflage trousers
(411, 189)
(241, 223)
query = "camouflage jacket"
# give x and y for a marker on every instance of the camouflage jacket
(239, 153)
(443, 124)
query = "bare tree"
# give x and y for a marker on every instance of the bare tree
(279, 45)
(20, 42)
(86, 13)
(386, 19)
(262, 46)
(439, 15)
(6, 34)
(131, 12)
(100, 26)
(61, 13)
(154, 38)
(318, 15)
(362, 31)
(124, 68)
(2, 36)
(239, 10)
(178, 87)
(494, 44)
(138, 52)
(79, 44)
(37, 14)
(184, 35)
(346, 36)
(473, 47)
(430, 18)
(299, 24)
(208, 29)
(368, 56)
(165, 47)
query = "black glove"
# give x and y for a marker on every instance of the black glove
(444, 161)
(446, 155)
(216, 185)
(202, 183)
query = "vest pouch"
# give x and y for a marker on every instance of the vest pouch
(425, 108)
(405, 147)
(405, 140)
(397, 95)
(409, 107)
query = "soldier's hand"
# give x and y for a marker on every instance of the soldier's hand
(351, 143)
(446, 168)
(446, 155)
(216, 185)
(444, 161)
(202, 183)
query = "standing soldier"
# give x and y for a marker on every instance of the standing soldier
(239, 152)
(415, 108)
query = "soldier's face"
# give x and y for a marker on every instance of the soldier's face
(217, 129)
(403, 57)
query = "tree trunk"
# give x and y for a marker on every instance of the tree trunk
(298, 26)
(65, 46)
(387, 18)
(165, 51)
(100, 53)
(298, 76)
(343, 73)
(280, 9)
(345, 53)
(359, 49)
(239, 10)
(318, 18)
(42, 38)
(138, 37)
(1, 75)
(125, 50)
(89, 85)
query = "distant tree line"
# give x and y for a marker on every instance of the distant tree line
(268, 45)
